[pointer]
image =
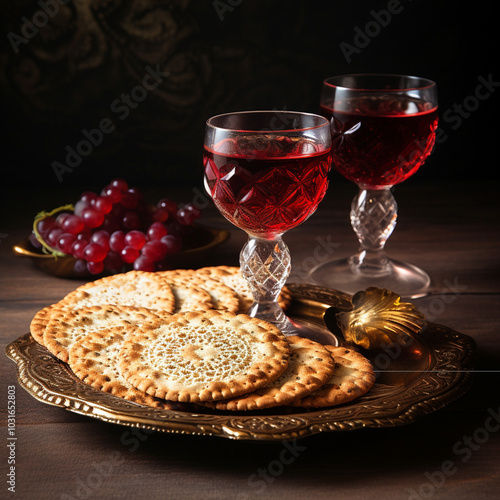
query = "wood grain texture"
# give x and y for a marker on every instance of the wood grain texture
(450, 230)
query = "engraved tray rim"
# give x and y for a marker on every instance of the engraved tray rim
(448, 377)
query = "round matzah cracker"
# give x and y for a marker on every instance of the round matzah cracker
(310, 366)
(204, 356)
(189, 297)
(231, 276)
(94, 360)
(40, 322)
(353, 376)
(68, 325)
(135, 288)
(223, 297)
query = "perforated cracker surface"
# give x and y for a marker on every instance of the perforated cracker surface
(94, 360)
(67, 325)
(204, 356)
(40, 322)
(353, 376)
(223, 298)
(310, 366)
(135, 288)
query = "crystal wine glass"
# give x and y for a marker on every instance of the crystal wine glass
(383, 129)
(267, 171)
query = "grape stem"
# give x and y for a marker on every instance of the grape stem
(47, 249)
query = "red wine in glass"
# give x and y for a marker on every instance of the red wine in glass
(383, 128)
(267, 186)
(266, 172)
(381, 141)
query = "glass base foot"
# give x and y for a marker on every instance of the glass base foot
(402, 278)
(311, 331)
(296, 326)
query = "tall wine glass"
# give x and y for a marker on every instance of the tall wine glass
(267, 171)
(383, 129)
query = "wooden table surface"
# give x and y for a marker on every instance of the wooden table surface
(450, 230)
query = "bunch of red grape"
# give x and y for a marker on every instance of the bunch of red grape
(116, 231)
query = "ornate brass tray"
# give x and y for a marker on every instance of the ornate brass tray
(412, 380)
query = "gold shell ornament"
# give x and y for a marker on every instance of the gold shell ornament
(380, 318)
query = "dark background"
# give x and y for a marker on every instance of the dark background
(221, 56)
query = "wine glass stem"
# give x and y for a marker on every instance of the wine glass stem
(266, 264)
(373, 218)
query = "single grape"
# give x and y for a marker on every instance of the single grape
(136, 192)
(169, 205)
(156, 231)
(80, 267)
(61, 218)
(80, 206)
(103, 204)
(92, 217)
(86, 234)
(172, 243)
(129, 200)
(88, 197)
(131, 220)
(144, 264)
(45, 225)
(65, 243)
(94, 252)
(119, 183)
(53, 237)
(135, 239)
(95, 267)
(188, 214)
(193, 208)
(34, 242)
(102, 238)
(184, 217)
(154, 250)
(113, 193)
(78, 248)
(73, 224)
(160, 215)
(117, 241)
(129, 254)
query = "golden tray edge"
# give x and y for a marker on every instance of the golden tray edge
(448, 374)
